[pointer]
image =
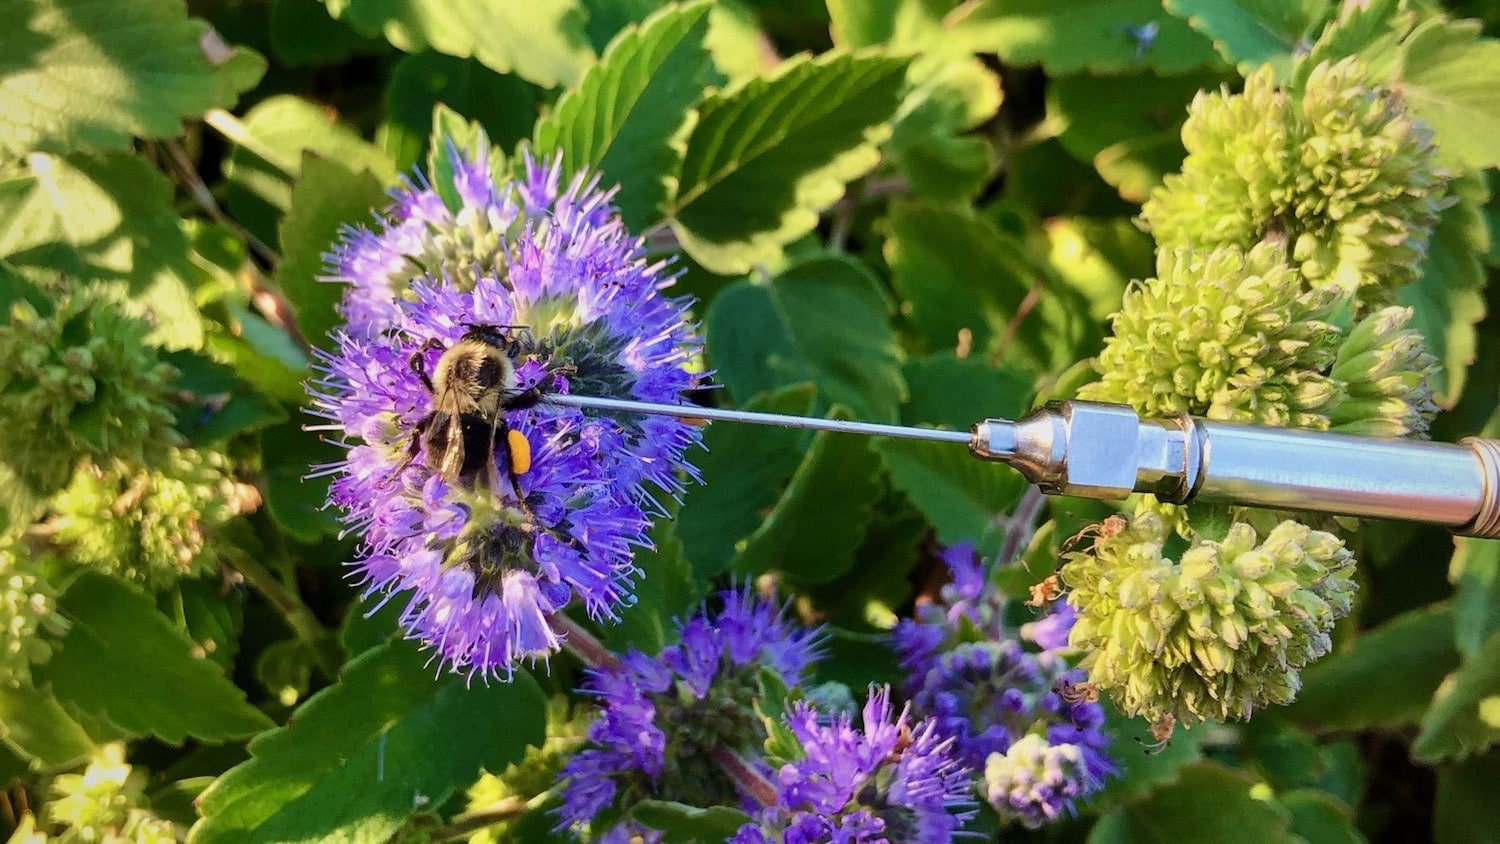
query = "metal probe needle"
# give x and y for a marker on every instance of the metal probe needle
(689, 411)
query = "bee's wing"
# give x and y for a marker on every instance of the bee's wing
(449, 416)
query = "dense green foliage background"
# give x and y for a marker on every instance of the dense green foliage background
(906, 211)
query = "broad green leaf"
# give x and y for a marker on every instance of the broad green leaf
(1371, 31)
(1386, 678)
(1098, 258)
(326, 198)
(630, 116)
(124, 662)
(105, 219)
(961, 497)
(743, 469)
(1209, 802)
(1449, 296)
(92, 74)
(266, 160)
(813, 531)
(1318, 817)
(765, 158)
(950, 93)
(212, 620)
(505, 105)
(360, 756)
(825, 320)
(953, 392)
(684, 824)
(1450, 78)
(304, 33)
(666, 590)
(736, 42)
(37, 728)
(968, 285)
(873, 593)
(1250, 33)
(1128, 126)
(1464, 808)
(1465, 715)
(1141, 766)
(1475, 572)
(1103, 36)
(219, 404)
(297, 499)
(541, 41)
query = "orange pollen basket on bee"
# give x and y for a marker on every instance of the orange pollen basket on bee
(520, 451)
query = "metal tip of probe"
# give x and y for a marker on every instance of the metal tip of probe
(713, 414)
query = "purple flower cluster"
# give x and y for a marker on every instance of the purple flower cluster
(891, 781)
(664, 717)
(992, 687)
(487, 568)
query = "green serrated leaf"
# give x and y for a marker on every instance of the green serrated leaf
(105, 219)
(37, 728)
(764, 158)
(630, 116)
(211, 619)
(1475, 572)
(952, 392)
(1103, 36)
(824, 320)
(1318, 816)
(296, 501)
(1142, 766)
(961, 497)
(1371, 31)
(742, 470)
(505, 105)
(950, 93)
(813, 531)
(1465, 715)
(666, 590)
(124, 662)
(361, 756)
(541, 41)
(1449, 296)
(326, 197)
(1250, 33)
(1128, 126)
(1386, 678)
(1449, 75)
(221, 405)
(964, 282)
(303, 33)
(285, 669)
(268, 156)
(1464, 808)
(684, 824)
(92, 74)
(1209, 802)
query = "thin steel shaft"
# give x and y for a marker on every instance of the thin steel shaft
(781, 420)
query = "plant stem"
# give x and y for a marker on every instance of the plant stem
(745, 776)
(289, 605)
(468, 823)
(582, 644)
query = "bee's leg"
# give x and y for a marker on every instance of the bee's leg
(418, 364)
(533, 395)
(413, 448)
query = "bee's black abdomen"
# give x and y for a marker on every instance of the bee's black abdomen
(478, 447)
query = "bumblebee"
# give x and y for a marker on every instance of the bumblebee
(473, 386)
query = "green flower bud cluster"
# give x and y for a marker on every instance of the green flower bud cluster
(28, 617)
(1237, 336)
(79, 381)
(1214, 635)
(152, 524)
(1337, 175)
(105, 804)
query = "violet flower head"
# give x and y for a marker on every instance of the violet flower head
(991, 685)
(891, 781)
(662, 717)
(489, 555)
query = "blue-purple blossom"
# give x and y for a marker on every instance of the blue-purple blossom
(990, 685)
(890, 781)
(486, 570)
(662, 717)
